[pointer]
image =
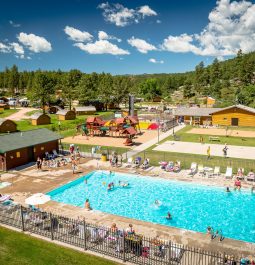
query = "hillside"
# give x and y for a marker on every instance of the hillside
(231, 81)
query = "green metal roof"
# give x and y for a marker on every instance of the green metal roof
(14, 141)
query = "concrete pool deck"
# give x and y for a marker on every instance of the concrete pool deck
(29, 181)
(243, 152)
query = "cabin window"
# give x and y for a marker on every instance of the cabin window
(18, 154)
(42, 148)
(225, 118)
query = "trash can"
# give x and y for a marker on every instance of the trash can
(104, 157)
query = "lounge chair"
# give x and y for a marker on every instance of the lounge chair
(55, 153)
(129, 162)
(48, 156)
(229, 174)
(193, 169)
(176, 255)
(216, 171)
(200, 169)
(240, 174)
(146, 163)
(170, 166)
(5, 198)
(177, 166)
(250, 176)
(137, 162)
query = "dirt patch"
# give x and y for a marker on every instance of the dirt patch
(111, 141)
(222, 132)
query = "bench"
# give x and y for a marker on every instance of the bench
(214, 138)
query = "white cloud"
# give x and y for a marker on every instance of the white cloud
(15, 25)
(17, 48)
(77, 35)
(152, 60)
(102, 35)
(101, 47)
(4, 48)
(141, 45)
(34, 43)
(231, 27)
(122, 16)
(158, 21)
(182, 43)
(146, 11)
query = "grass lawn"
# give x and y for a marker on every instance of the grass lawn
(20, 249)
(67, 128)
(7, 112)
(87, 148)
(230, 140)
(187, 159)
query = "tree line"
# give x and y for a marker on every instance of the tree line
(231, 81)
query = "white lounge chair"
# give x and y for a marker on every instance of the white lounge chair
(193, 168)
(200, 169)
(216, 171)
(229, 173)
(55, 153)
(129, 162)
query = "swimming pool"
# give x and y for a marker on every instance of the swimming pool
(193, 207)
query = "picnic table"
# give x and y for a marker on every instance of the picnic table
(214, 138)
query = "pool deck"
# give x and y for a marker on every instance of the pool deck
(30, 180)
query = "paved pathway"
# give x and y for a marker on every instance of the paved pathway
(201, 149)
(20, 114)
(150, 143)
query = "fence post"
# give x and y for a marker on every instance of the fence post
(84, 231)
(170, 252)
(22, 218)
(51, 227)
(124, 253)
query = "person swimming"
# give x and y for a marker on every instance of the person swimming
(227, 189)
(123, 184)
(168, 216)
(110, 186)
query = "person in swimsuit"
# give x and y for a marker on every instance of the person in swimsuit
(168, 216)
(237, 184)
(87, 205)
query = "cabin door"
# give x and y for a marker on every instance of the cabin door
(31, 156)
(234, 121)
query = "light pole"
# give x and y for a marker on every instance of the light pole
(173, 121)
(173, 125)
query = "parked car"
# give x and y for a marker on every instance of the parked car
(12, 102)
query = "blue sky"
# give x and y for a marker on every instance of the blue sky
(123, 37)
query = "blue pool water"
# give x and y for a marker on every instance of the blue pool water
(193, 207)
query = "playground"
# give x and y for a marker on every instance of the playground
(145, 136)
(119, 132)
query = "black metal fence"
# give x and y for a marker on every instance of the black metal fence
(136, 249)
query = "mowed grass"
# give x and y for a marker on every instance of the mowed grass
(7, 112)
(230, 140)
(65, 128)
(20, 249)
(103, 149)
(186, 160)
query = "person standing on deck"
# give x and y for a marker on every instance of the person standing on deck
(208, 152)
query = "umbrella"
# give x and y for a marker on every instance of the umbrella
(38, 198)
